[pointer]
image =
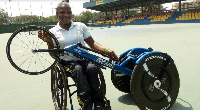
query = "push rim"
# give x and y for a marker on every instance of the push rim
(58, 87)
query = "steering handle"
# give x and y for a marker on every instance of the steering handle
(96, 51)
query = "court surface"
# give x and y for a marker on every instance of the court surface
(19, 91)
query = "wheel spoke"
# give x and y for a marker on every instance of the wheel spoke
(40, 44)
(36, 44)
(147, 70)
(22, 56)
(19, 46)
(24, 61)
(28, 39)
(30, 62)
(23, 42)
(45, 59)
(157, 85)
(40, 60)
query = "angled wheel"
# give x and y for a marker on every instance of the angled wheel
(120, 80)
(59, 87)
(155, 82)
(20, 51)
(102, 83)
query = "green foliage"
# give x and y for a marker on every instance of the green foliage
(3, 17)
(152, 8)
(86, 16)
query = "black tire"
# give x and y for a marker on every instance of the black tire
(120, 80)
(155, 74)
(20, 52)
(102, 83)
(59, 87)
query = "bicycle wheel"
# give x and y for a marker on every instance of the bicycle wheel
(120, 80)
(59, 87)
(155, 82)
(20, 51)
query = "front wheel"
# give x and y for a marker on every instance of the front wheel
(20, 50)
(120, 80)
(155, 82)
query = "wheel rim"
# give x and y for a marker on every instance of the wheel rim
(155, 82)
(58, 88)
(148, 84)
(102, 83)
(20, 52)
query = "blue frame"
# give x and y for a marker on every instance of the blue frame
(135, 55)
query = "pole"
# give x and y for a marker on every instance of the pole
(179, 6)
(31, 13)
(6, 14)
(19, 13)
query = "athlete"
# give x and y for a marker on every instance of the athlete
(67, 33)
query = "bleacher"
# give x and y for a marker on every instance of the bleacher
(190, 16)
(135, 17)
(113, 21)
(161, 16)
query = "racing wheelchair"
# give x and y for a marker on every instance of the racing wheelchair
(150, 76)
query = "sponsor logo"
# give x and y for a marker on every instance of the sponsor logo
(104, 62)
(78, 33)
(155, 57)
(78, 51)
(165, 108)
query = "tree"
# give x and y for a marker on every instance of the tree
(86, 16)
(101, 15)
(3, 17)
(152, 8)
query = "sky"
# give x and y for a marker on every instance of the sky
(39, 7)
(44, 7)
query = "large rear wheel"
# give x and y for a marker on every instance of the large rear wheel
(59, 87)
(155, 82)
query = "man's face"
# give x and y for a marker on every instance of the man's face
(64, 14)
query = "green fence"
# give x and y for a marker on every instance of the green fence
(12, 27)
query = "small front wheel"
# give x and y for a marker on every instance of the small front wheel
(120, 80)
